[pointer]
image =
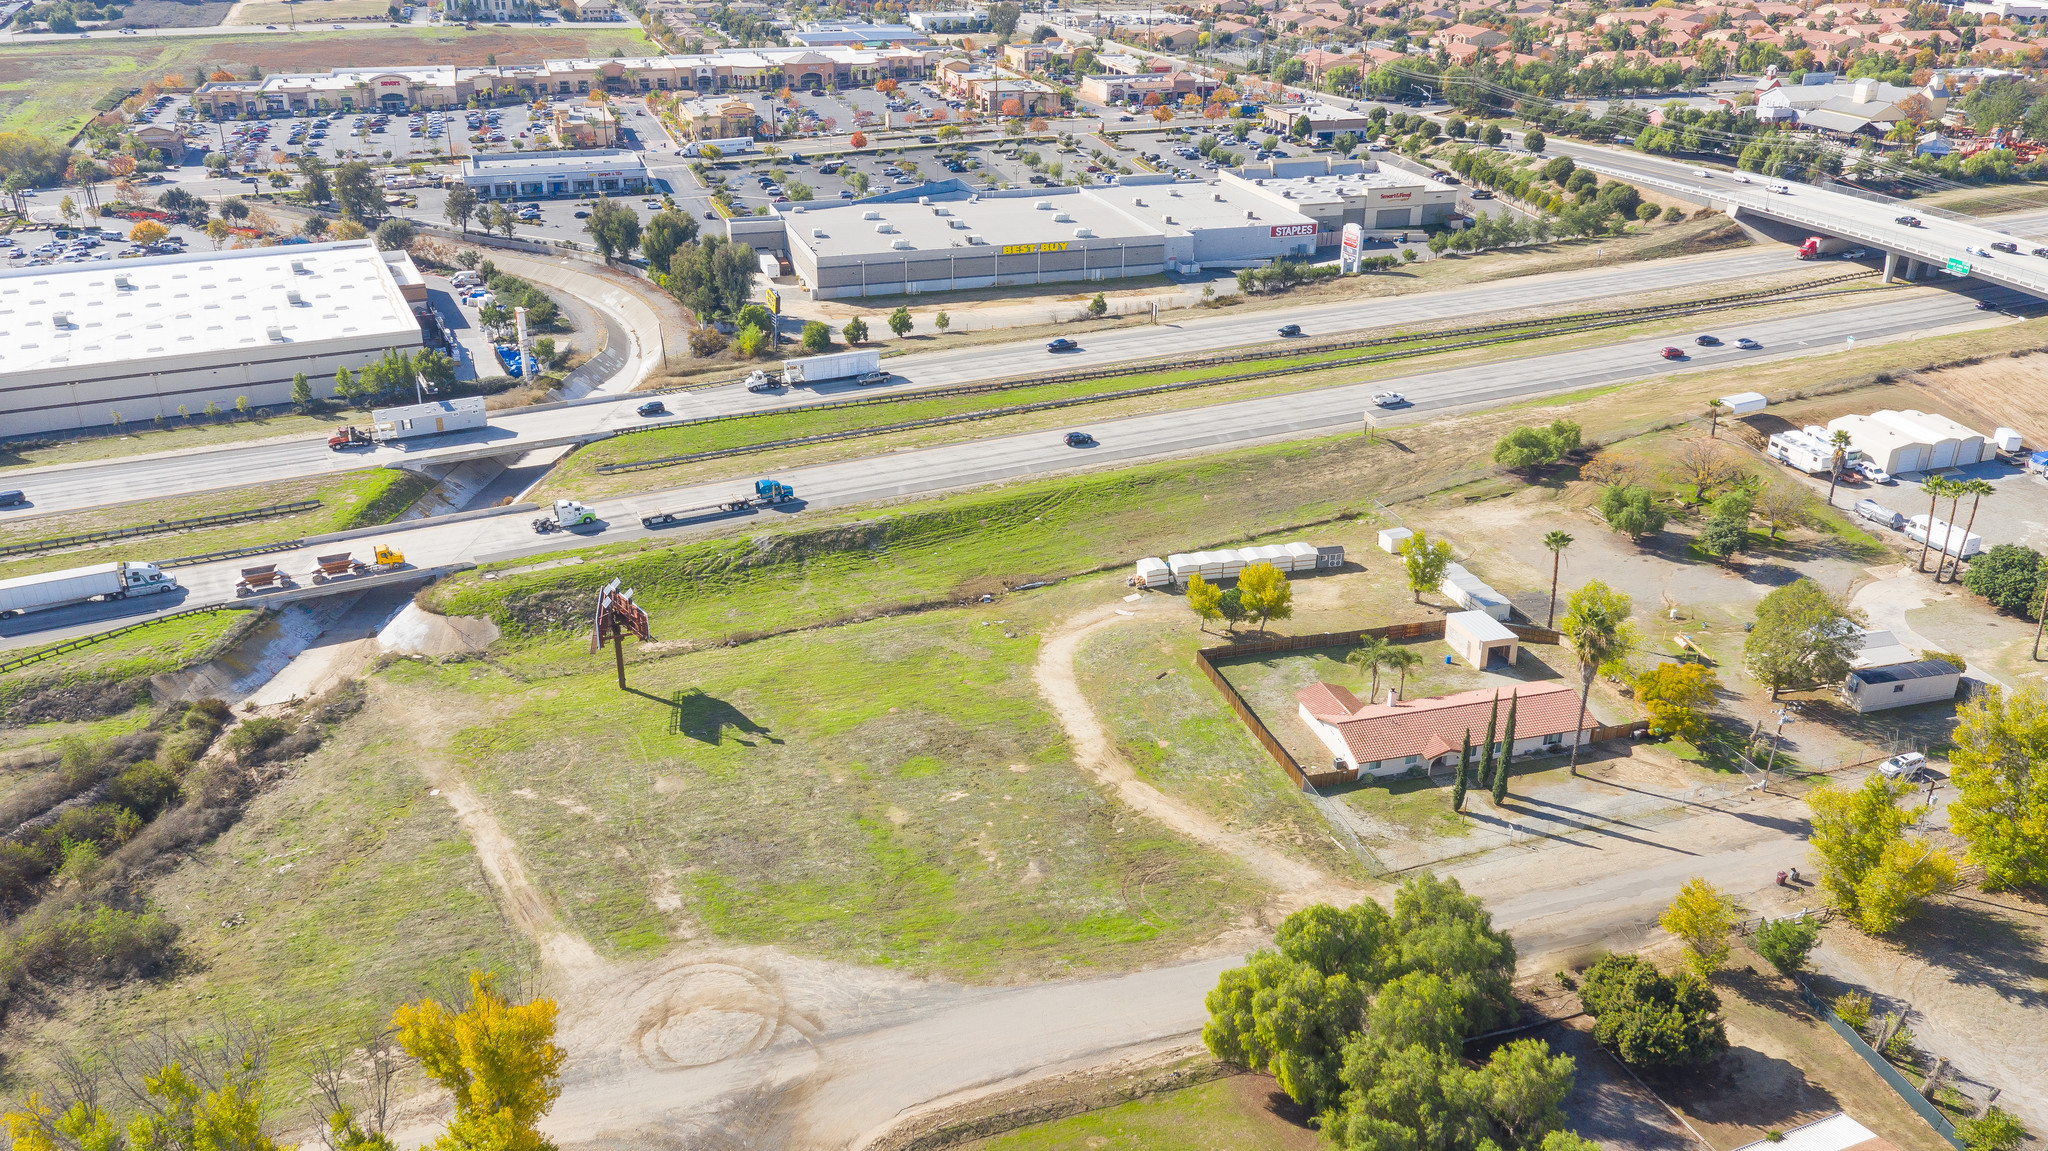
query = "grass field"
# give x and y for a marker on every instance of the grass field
(1241, 1113)
(341, 892)
(48, 89)
(197, 436)
(348, 500)
(893, 792)
(165, 645)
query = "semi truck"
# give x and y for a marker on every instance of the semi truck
(864, 364)
(564, 515)
(414, 420)
(121, 579)
(1819, 247)
(767, 493)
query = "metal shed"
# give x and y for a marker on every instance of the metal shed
(1901, 684)
(1478, 638)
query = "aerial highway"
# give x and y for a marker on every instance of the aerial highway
(1159, 435)
(73, 487)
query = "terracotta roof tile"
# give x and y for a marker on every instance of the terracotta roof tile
(1434, 726)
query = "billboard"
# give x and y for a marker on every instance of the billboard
(1294, 229)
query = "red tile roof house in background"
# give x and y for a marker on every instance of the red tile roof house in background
(1387, 739)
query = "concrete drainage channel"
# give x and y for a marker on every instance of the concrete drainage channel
(1500, 333)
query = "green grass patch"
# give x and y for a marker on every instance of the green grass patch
(1222, 1115)
(892, 792)
(348, 500)
(154, 648)
(195, 435)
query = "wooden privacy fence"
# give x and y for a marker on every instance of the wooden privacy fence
(1207, 659)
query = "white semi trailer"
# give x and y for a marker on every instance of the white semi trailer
(413, 420)
(110, 581)
(864, 364)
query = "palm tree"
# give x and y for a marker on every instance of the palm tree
(1596, 625)
(1715, 410)
(1556, 541)
(1974, 488)
(1370, 655)
(1403, 660)
(1836, 461)
(1935, 487)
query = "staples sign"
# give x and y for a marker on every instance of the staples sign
(1294, 229)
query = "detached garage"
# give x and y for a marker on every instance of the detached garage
(1901, 685)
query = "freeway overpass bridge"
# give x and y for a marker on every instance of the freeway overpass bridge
(1940, 244)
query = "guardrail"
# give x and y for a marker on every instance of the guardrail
(1510, 332)
(232, 553)
(99, 637)
(160, 527)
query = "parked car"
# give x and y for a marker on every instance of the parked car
(1906, 767)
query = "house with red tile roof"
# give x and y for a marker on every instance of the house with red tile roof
(1385, 739)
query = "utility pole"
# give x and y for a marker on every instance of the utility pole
(1777, 736)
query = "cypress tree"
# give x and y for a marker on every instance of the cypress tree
(1500, 780)
(1486, 758)
(1464, 778)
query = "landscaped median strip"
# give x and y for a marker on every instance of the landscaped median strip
(1413, 344)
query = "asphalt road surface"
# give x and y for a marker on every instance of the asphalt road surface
(1158, 435)
(103, 483)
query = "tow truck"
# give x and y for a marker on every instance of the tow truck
(349, 436)
(767, 493)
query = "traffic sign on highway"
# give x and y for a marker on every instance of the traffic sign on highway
(1958, 267)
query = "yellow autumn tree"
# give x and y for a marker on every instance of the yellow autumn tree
(496, 1057)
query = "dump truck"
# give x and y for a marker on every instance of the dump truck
(383, 558)
(121, 579)
(766, 494)
(565, 514)
(861, 363)
(388, 425)
(349, 436)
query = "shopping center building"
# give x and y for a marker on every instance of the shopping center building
(402, 87)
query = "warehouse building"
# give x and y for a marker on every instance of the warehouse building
(96, 344)
(945, 237)
(543, 175)
(1335, 192)
(1907, 442)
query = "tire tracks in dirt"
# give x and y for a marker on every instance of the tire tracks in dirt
(1296, 883)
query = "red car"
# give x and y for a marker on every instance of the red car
(1672, 354)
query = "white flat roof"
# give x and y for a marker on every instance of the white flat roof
(175, 306)
(1478, 625)
(588, 162)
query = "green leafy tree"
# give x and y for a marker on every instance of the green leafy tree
(712, 276)
(1507, 755)
(1266, 592)
(900, 321)
(1998, 1130)
(1098, 306)
(817, 337)
(302, 391)
(614, 229)
(750, 341)
(1649, 1020)
(395, 235)
(2000, 762)
(2009, 576)
(1802, 637)
(1596, 625)
(1425, 563)
(1369, 657)
(665, 232)
(942, 321)
(1231, 605)
(357, 192)
(1567, 1141)
(1554, 542)
(1487, 749)
(1870, 869)
(1529, 447)
(461, 206)
(1785, 943)
(1524, 1087)
(1632, 510)
(1534, 141)
(855, 331)
(1463, 780)
(1701, 917)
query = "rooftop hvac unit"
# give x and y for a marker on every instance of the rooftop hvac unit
(942, 211)
(1219, 197)
(925, 200)
(1062, 218)
(1084, 233)
(817, 233)
(1043, 205)
(121, 282)
(1166, 219)
(797, 208)
(293, 298)
(60, 320)
(1250, 215)
(298, 266)
(958, 225)
(884, 229)
(903, 245)
(871, 214)
(1260, 183)
(1288, 193)
(976, 240)
(275, 333)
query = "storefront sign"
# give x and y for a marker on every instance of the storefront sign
(1294, 229)
(1028, 249)
(1389, 197)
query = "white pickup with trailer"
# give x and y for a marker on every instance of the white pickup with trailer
(432, 419)
(109, 581)
(864, 364)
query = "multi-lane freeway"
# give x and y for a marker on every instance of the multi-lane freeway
(101, 483)
(1158, 435)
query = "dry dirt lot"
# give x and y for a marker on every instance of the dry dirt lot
(1971, 974)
